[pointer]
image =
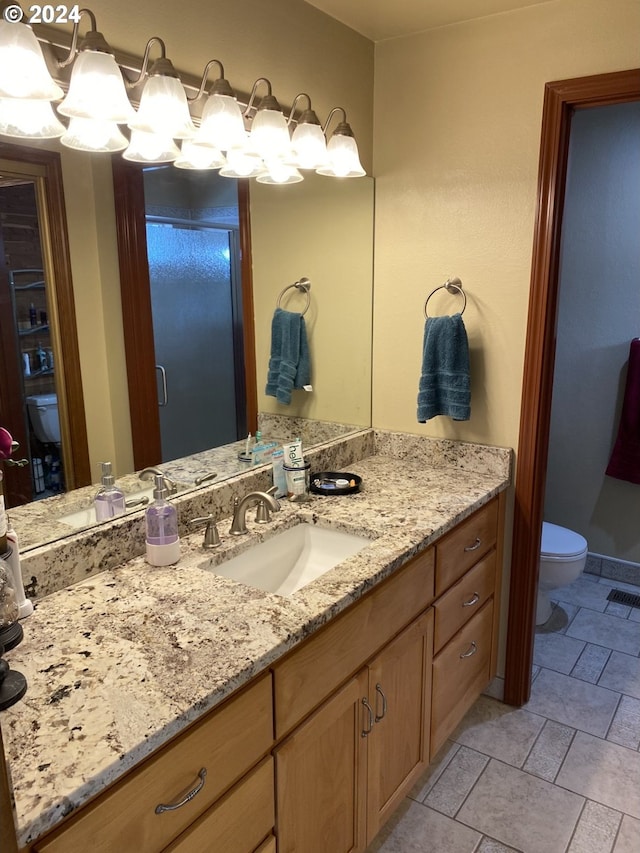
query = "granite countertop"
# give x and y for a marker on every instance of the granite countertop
(122, 661)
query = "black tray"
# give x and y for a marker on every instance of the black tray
(325, 487)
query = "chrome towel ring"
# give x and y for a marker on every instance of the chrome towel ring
(304, 286)
(453, 285)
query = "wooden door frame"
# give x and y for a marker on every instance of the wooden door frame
(55, 246)
(561, 99)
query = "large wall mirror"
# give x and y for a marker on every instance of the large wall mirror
(321, 229)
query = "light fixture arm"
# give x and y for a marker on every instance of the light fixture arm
(252, 96)
(220, 84)
(343, 128)
(93, 40)
(293, 106)
(131, 84)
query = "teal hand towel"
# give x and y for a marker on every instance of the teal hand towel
(445, 385)
(289, 363)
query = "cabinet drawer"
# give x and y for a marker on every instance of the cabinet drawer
(465, 545)
(305, 678)
(460, 674)
(464, 600)
(226, 743)
(238, 822)
(269, 845)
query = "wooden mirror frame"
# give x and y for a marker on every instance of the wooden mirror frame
(561, 99)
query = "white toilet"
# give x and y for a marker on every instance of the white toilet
(43, 412)
(563, 554)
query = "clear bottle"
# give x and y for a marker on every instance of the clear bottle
(109, 501)
(161, 522)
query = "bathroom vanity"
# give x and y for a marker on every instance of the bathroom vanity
(169, 707)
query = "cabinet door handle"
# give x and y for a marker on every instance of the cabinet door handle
(381, 716)
(473, 648)
(366, 732)
(475, 598)
(187, 797)
(475, 545)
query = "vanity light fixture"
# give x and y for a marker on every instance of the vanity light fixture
(342, 150)
(269, 134)
(279, 172)
(194, 155)
(23, 70)
(151, 148)
(221, 124)
(25, 119)
(258, 140)
(163, 104)
(242, 163)
(308, 140)
(93, 135)
(96, 88)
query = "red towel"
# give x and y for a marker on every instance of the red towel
(625, 457)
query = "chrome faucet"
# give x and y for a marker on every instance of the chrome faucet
(264, 499)
(151, 472)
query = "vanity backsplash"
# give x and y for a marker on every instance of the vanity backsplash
(59, 564)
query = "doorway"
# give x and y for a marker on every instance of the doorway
(561, 99)
(185, 276)
(41, 401)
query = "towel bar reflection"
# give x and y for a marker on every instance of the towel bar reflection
(452, 285)
(304, 286)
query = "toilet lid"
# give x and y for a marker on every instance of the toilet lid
(559, 542)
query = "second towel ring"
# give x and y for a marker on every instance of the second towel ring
(304, 286)
(452, 285)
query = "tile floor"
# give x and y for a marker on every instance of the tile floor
(561, 774)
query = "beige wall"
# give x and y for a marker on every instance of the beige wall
(457, 135)
(290, 42)
(321, 229)
(456, 144)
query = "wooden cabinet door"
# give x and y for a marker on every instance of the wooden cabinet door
(320, 777)
(400, 694)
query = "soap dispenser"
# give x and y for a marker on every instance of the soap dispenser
(109, 501)
(161, 521)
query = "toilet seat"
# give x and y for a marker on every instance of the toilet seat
(560, 544)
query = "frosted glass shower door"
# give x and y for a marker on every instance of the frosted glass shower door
(193, 328)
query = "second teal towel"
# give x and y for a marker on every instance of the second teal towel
(445, 384)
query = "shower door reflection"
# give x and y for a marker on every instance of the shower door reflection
(192, 275)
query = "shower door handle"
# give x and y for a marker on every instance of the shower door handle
(163, 376)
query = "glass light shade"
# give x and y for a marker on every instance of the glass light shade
(151, 148)
(23, 71)
(29, 119)
(270, 135)
(163, 109)
(222, 124)
(278, 172)
(96, 89)
(344, 161)
(309, 146)
(196, 156)
(88, 134)
(242, 164)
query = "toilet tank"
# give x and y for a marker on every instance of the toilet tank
(43, 413)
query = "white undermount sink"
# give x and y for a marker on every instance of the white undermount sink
(86, 516)
(292, 559)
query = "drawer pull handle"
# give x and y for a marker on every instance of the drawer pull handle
(187, 797)
(475, 545)
(366, 732)
(471, 651)
(475, 598)
(381, 716)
